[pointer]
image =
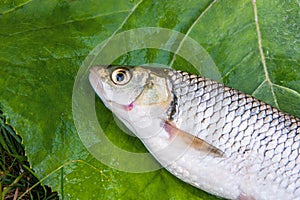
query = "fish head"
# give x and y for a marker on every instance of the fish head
(115, 84)
(139, 96)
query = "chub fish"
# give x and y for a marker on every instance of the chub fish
(211, 136)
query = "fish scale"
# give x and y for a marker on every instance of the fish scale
(224, 113)
(211, 136)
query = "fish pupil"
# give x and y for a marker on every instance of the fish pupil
(120, 77)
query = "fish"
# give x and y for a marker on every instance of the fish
(211, 136)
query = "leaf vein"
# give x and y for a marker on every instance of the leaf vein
(68, 163)
(69, 22)
(235, 66)
(262, 55)
(189, 30)
(119, 28)
(258, 88)
(15, 8)
(288, 89)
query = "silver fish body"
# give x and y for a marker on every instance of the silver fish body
(214, 137)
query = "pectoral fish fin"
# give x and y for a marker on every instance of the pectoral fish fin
(192, 140)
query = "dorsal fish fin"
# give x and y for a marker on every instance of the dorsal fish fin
(192, 140)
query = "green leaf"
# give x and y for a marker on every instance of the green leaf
(43, 43)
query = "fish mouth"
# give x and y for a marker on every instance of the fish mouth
(95, 81)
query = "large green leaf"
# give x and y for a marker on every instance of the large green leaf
(255, 46)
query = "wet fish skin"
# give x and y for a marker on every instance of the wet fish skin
(259, 144)
(242, 127)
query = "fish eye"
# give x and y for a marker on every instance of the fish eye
(120, 76)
